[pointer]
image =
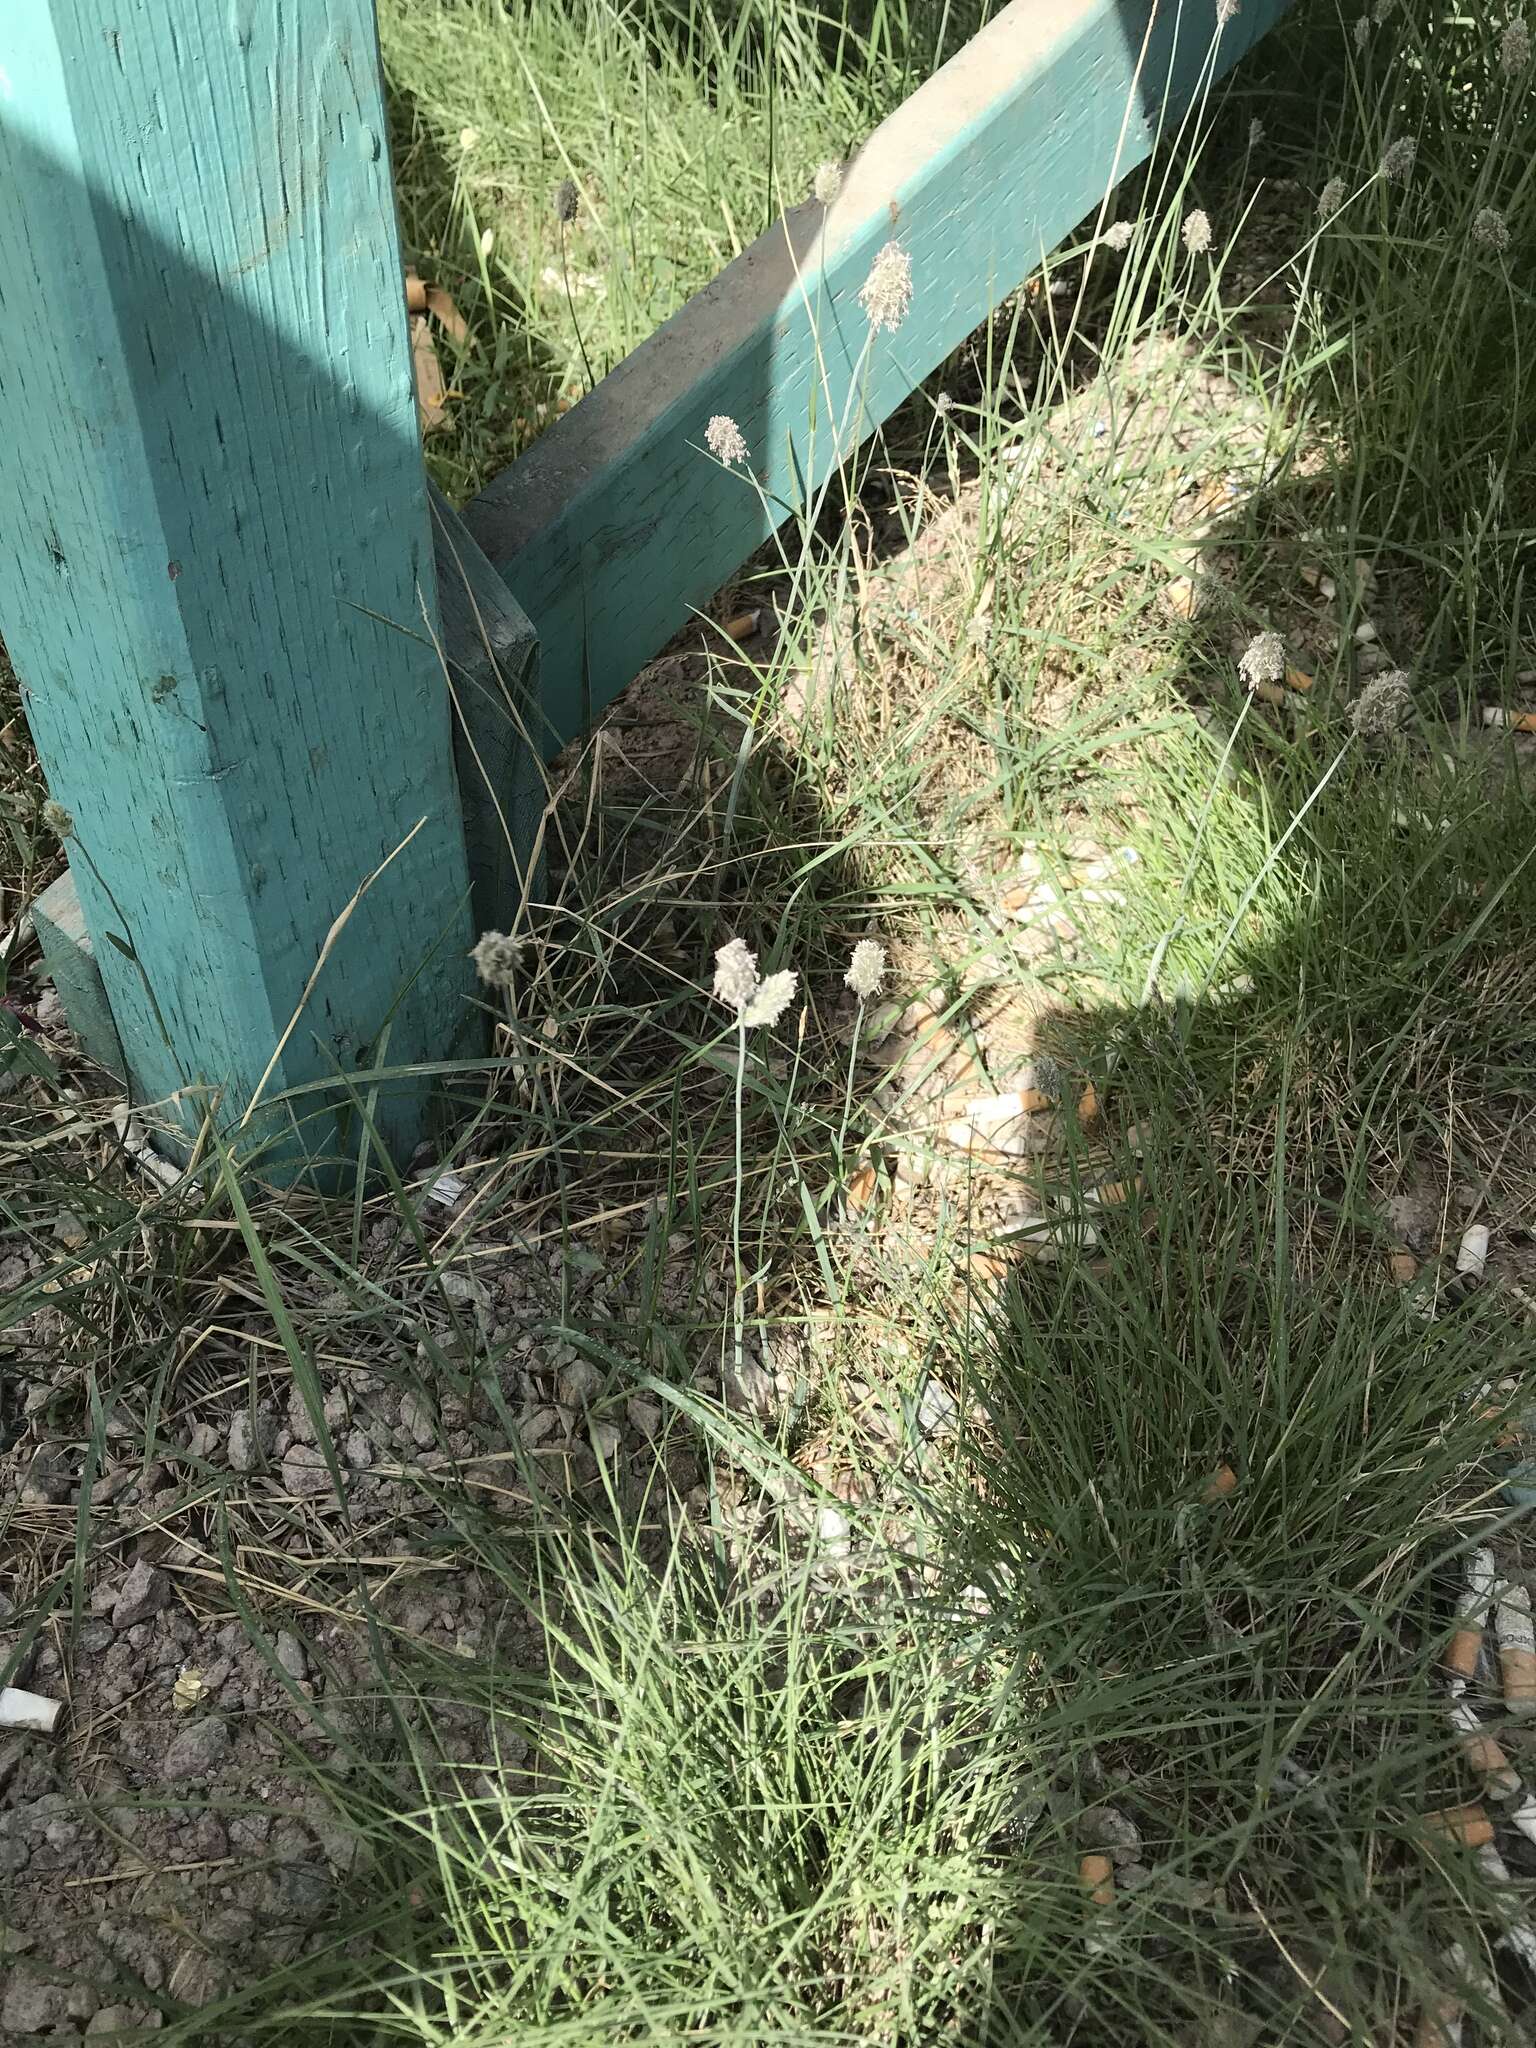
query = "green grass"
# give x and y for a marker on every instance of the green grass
(710, 1775)
(684, 139)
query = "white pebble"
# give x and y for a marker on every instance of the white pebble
(1473, 1255)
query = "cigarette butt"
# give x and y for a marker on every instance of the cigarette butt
(1403, 1267)
(1523, 1817)
(1222, 1482)
(1517, 1649)
(440, 305)
(1268, 693)
(1482, 1574)
(1298, 679)
(1467, 1825)
(965, 1137)
(415, 293)
(1002, 1109)
(1462, 1651)
(1483, 1754)
(1088, 1105)
(987, 1270)
(28, 1710)
(1096, 1875)
(1515, 721)
(1440, 2022)
(1114, 1194)
(1472, 1254)
(1047, 1242)
(861, 1189)
(742, 627)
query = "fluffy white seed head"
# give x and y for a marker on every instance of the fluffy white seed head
(1514, 47)
(866, 970)
(724, 439)
(58, 820)
(886, 294)
(1263, 660)
(828, 182)
(496, 959)
(1491, 229)
(1384, 706)
(1119, 236)
(1362, 31)
(1397, 159)
(735, 975)
(1331, 198)
(1227, 10)
(1255, 132)
(1197, 232)
(771, 998)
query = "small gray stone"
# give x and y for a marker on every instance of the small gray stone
(31, 2006)
(749, 1388)
(198, 1977)
(538, 1427)
(305, 1472)
(47, 1480)
(579, 1385)
(936, 1410)
(300, 1427)
(123, 2019)
(94, 1635)
(290, 1654)
(250, 1440)
(464, 1287)
(357, 1451)
(144, 1592)
(644, 1416)
(416, 1418)
(197, 1751)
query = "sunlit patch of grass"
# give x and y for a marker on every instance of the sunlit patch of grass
(736, 1782)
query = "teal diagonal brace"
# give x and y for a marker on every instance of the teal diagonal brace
(216, 559)
(618, 525)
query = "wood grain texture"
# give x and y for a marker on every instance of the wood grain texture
(616, 524)
(217, 555)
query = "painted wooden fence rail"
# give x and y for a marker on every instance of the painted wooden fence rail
(239, 617)
(616, 525)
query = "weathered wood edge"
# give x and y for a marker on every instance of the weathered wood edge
(491, 659)
(69, 960)
(617, 525)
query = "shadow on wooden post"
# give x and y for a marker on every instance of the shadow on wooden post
(218, 585)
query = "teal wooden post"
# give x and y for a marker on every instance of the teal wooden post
(216, 558)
